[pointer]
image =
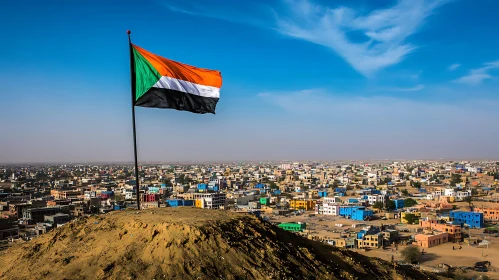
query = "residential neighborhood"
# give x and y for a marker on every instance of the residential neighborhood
(370, 207)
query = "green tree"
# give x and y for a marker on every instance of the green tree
(273, 186)
(416, 185)
(411, 254)
(468, 199)
(378, 205)
(409, 202)
(455, 179)
(411, 219)
(405, 192)
(335, 184)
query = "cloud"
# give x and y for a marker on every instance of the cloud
(385, 31)
(454, 66)
(374, 110)
(414, 88)
(478, 75)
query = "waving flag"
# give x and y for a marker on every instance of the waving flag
(164, 83)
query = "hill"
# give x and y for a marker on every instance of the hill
(185, 243)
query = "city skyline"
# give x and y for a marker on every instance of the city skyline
(302, 80)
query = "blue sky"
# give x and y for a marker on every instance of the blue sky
(303, 79)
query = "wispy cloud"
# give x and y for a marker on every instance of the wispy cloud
(454, 66)
(401, 89)
(385, 31)
(317, 102)
(478, 75)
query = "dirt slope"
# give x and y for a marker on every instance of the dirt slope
(185, 243)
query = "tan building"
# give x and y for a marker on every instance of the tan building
(371, 241)
(454, 231)
(431, 240)
(489, 214)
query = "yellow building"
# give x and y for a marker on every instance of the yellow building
(406, 216)
(199, 203)
(302, 204)
(372, 241)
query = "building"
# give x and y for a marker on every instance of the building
(57, 219)
(472, 219)
(431, 240)
(399, 203)
(295, 227)
(179, 202)
(8, 229)
(264, 201)
(358, 213)
(327, 209)
(454, 231)
(149, 197)
(410, 217)
(305, 204)
(371, 241)
(489, 214)
(37, 215)
(210, 200)
(373, 199)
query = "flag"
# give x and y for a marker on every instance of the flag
(164, 83)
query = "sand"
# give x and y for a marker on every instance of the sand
(186, 243)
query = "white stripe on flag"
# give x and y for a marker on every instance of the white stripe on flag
(187, 87)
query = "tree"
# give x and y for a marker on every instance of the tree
(335, 184)
(409, 202)
(416, 185)
(405, 192)
(390, 204)
(455, 179)
(378, 205)
(411, 219)
(411, 254)
(273, 186)
(468, 199)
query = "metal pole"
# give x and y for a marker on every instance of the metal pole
(132, 89)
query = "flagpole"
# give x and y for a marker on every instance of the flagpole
(132, 89)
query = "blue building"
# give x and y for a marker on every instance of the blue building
(322, 193)
(472, 219)
(202, 187)
(277, 192)
(179, 202)
(358, 213)
(340, 190)
(399, 203)
(260, 186)
(352, 200)
(118, 207)
(153, 189)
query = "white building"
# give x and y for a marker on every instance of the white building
(373, 199)
(461, 195)
(211, 200)
(327, 209)
(449, 192)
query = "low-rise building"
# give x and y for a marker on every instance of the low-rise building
(210, 200)
(431, 240)
(295, 227)
(454, 231)
(305, 204)
(489, 214)
(371, 241)
(472, 219)
(410, 217)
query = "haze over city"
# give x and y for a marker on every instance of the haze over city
(302, 80)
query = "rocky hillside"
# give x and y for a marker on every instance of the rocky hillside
(185, 243)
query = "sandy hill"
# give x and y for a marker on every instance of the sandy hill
(185, 243)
